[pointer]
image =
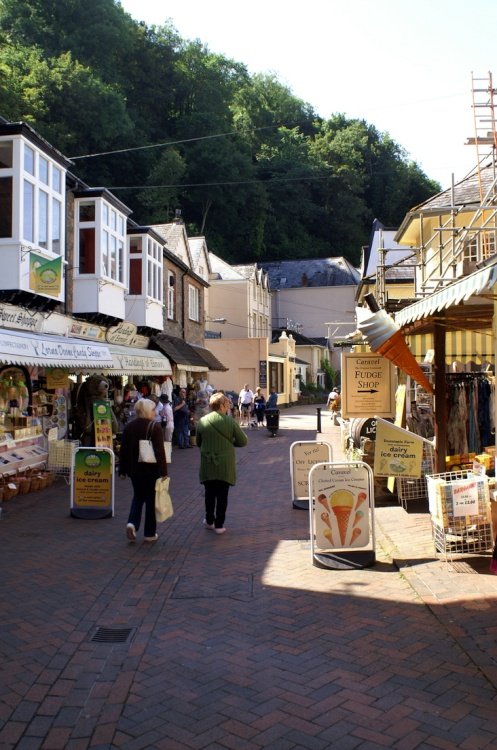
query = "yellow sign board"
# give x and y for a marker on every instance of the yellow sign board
(92, 483)
(398, 453)
(368, 385)
(57, 378)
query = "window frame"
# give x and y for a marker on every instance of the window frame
(171, 295)
(193, 303)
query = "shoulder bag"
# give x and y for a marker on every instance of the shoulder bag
(146, 449)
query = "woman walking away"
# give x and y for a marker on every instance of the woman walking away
(143, 475)
(217, 435)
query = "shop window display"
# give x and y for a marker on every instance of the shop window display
(21, 449)
(15, 399)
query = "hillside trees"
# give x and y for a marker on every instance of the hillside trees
(251, 166)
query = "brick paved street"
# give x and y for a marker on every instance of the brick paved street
(238, 641)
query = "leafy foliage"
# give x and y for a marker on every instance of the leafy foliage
(251, 166)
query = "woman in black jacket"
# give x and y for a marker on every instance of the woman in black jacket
(143, 475)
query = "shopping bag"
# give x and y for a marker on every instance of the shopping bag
(163, 503)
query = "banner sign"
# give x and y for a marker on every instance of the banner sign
(45, 275)
(102, 420)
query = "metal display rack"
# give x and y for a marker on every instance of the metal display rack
(409, 490)
(459, 535)
(60, 454)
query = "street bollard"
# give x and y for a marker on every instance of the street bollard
(318, 409)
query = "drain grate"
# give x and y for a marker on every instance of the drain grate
(111, 635)
(460, 567)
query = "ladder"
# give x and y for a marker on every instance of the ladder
(483, 94)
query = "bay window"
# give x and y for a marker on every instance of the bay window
(100, 238)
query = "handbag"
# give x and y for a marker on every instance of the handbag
(146, 449)
(163, 503)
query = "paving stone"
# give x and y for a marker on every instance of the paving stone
(240, 642)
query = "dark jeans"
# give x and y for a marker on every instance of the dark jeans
(144, 494)
(181, 428)
(216, 501)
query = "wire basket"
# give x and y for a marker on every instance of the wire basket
(459, 534)
(441, 496)
(462, 539)
(409, 490)
(60, 453)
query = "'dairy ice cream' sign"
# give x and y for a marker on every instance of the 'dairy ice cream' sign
(398, 452)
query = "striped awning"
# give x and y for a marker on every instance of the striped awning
(460, 346)
(460, 291)
(129, 361)
(43, 350)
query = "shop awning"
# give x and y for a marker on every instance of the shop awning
(186, 356)
(44, 350)
(460, 291)
(210, 360)
(129, 361)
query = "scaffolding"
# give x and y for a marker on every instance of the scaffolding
(483, 94)
(450, 246)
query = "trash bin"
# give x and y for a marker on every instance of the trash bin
(272, 420)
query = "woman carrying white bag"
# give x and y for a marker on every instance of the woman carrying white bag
(143, 432)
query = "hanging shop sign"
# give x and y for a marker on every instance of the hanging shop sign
(92, 483)
(342, 515)
(367, 385)
(123, 333)
(45, 274)
(102, 421)
(87, 331)
(17, 317)
(57, 378)
(398, 453)
(303, 456)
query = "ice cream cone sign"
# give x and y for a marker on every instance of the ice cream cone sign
(341, 504)
(385, 338)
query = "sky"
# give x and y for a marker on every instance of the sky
(407, 68)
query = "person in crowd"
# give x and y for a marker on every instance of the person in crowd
(333, 402)
(167, 420)
(259, 405)
(158, 408)
(217, 435)
(143, 475)
(181, 414)
(272, 401)
(245, 401)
